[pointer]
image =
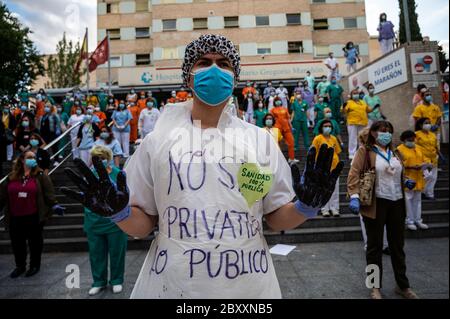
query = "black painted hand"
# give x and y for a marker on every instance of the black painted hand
(316, 185)
(99, 194)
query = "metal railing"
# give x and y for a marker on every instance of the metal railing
(56, 140)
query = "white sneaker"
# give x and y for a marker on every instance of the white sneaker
(95, 290)
(335, 213)
(411, 227)
(56, 163)
(422, 225)
(326, 213)
(117, 289)
(290, 161)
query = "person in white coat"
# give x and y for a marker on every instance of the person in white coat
(147, 119)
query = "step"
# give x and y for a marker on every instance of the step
(75, 244)
(349, 233)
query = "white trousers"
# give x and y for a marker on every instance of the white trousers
(430, 183)
(333, 203)
(73, 138)
(351, 68)
(249, 117)
(353, 132)
(124, 140)
(386, 46)
(364, 234)
(85, 156)
(413, 201)
(9, 152)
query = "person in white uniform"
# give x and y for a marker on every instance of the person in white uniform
(147, 119)
(207, 178)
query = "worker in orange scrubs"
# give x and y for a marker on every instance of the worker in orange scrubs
(142, 102)
(283, 123)
(182, 95)
(135, 111)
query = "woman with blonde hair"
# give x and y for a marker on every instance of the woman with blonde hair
(105, 238)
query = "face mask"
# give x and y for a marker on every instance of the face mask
(281, 86)
(326, 130)
(77, 103)
(97, 109)
(111, 101)
(25, 123)
(78, 112)
(429, 98)
(371, 91)
(361, 96)
(34, 143)
(328, 115)
(270, 84)
(355, 97)
(260, 106)
(121, 106)
(321, 100)
(427, 127)
(90, 111)
(410, 144)
(333, 81)
(324, 80)
(384, 138)
(23, 108)
(59, 110)
(350, 46)
(142, 96)
(299, 97)
(250, 96)
(132, 91)
(104, 135)
(5, 111)
(174, 95)
(149, 104)
(278, 103)
(30, 163)
(213, 85)
(105, 163)
(249, 84)
(269, 122)
(87, 118)
(272, 94)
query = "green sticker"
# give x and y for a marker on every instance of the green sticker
(254, 182)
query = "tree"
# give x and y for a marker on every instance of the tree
(416, 35)
(20, 62)
(60, 67)
(443, 61)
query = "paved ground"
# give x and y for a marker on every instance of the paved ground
(323, 270)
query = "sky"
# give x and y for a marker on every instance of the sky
(48, 19)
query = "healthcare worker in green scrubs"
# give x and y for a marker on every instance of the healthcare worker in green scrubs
(334, 91)
(300, 122)
(105, 238)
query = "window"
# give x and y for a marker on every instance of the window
(141, 5)
(231, 22)
(168, 1)
(321, 50)
(169, 25)
(293, 18)
(320, 24)
(318, 1)
(170, 53)
(114, 34)
(142, 59)
(295, 47)
(142, 33)
(350, 23)
(264, 48)
(262, 21)
(112, 8)
(115, 61)
(200, 23)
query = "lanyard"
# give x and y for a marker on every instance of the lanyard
(389, 154)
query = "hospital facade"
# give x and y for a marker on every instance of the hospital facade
(277, 39)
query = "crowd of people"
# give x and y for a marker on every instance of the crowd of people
(105, 126)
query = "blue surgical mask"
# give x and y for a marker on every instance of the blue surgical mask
(328, 115)
(149, 104)
(427, 127)
(384, 138)
(6, 111)
(213, 85)
(31, 162)
(25, 123)
(278, 103)
(104, 135)
(333, 82)
(355, 97)
(34, 143)
(409, 144)
(121, 106)
(269, 122)
(326, 130)
(23, 108)
(429, 98)
(46, 109)
(88, 118)
(78, 112)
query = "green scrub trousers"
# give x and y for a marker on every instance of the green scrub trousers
(300, 127)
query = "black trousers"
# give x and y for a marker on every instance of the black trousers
(392, 214)
(25, 229)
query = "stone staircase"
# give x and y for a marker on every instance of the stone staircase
(65, 233)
